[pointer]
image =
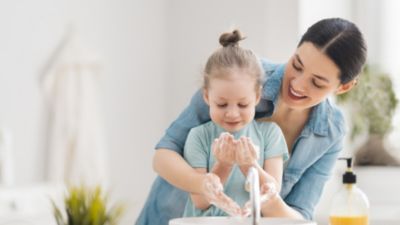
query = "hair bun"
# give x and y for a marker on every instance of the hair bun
(231, 38)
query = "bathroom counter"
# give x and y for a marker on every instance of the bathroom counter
(30, 205)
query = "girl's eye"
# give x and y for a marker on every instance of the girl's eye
(243, 105)
(222, 105)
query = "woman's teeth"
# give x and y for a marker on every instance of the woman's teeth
(295, 93)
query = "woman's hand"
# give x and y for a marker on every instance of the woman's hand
(247, 153)
(224, 149)
(268, 191)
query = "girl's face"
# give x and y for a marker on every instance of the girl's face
(310, 77)
(232, 100)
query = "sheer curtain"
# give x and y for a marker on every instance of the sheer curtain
(389, 57)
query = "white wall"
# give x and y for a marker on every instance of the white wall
(390, 47)
(152, 53)
(195, 26)
(130, 38)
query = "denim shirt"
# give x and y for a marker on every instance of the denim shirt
(312, 158)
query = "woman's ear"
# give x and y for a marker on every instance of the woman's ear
(343, 88)
(205, 96)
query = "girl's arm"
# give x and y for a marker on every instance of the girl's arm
(273, 167)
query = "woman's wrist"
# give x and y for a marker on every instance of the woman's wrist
(273, 207)
(277, 207)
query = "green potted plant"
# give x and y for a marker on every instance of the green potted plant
(85, 206)
(371, 105)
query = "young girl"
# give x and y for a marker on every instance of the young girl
(228, 145)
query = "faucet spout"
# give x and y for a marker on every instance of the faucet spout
(254, 184)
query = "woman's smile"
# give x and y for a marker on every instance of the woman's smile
(295, 95)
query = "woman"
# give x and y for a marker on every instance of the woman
(326, 62)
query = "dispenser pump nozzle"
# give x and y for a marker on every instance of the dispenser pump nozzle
(349, 177)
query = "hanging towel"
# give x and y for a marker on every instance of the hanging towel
(75, 140)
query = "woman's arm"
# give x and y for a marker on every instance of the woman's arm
(295, 204)
(168, 161)
(196, 179)
(275, 206)
(172, 167)
(199, 201)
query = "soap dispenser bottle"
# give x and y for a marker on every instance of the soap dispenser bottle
(350, 205)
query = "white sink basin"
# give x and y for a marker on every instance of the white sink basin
(236, 221)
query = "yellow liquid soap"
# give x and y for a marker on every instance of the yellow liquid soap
(349, 220)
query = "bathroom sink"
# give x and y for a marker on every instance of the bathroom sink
(236, 221)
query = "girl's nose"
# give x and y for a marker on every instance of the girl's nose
(232, 112)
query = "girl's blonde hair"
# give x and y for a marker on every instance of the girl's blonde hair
(232, 57)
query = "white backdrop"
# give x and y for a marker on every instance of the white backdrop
(152, 53)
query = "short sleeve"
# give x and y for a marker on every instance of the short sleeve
(275, 144)
(196, 151)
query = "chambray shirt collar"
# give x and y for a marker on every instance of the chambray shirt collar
(272, 85)
(318, 121)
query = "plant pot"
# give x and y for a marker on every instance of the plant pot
(374, 153)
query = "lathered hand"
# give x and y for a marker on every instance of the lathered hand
(224, 148)
(214, 193)
(247, 153)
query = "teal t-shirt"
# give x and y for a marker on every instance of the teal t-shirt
(197, 152)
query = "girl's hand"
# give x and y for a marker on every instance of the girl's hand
(214, 193)
(224, 149)
(246, 152)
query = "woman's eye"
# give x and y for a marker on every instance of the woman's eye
(316, 85)
(296, 67)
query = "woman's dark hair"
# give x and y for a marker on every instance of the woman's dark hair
(342, 42)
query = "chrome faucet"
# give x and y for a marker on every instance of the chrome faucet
(253, 183)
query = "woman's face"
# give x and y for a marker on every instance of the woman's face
(310, 77)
